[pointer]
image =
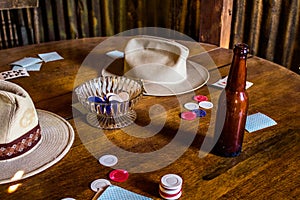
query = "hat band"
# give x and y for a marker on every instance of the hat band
(20, 145)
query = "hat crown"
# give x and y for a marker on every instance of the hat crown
(18, 115)
(155, 60)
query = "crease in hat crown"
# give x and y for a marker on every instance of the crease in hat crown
(155, 60)
(19, 125)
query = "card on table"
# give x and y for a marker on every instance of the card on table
(27, 61)
(223, 82)
(116, 193)
(258, 121)
(115, 54)
(34, 67)
(11, 74)
(51, 56)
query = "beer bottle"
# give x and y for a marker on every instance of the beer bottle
(233, 106)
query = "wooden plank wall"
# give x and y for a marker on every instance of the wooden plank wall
(61, 19)
(270, 27)
(83, 18)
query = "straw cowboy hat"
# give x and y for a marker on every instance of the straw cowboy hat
(30, 140)
(162, 65)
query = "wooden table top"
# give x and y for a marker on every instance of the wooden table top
(268, 167)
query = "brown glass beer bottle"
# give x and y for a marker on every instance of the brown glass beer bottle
(233, 106)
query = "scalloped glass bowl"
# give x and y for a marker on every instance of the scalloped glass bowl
(109, 114)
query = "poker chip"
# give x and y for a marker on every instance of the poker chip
(199, 112)
(188, 115)
(171, 181)
(200, 98)
(115, 98)
(170, 186)
(169, 192)
(177, 196)
(206, 104)
(124, 96)
(99, 184)
(110, 94)
(119, 175)
(108, 160)
(95, 99)
(191, 106)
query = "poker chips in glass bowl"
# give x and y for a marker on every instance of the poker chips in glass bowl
(110, 100)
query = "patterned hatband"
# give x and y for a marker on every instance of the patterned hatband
(20, 145)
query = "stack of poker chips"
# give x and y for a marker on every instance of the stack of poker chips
(170, 186)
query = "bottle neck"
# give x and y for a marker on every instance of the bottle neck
(238, 71)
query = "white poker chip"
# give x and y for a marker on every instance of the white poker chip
(98, 184)
(108, 160)
(110, 94)
(168, 191)
(191, 106)
(206, 104)
(171, 181)
(124, 96)
(115, 98)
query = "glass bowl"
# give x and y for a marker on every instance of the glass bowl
(110, 100)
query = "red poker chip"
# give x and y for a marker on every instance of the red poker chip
(177, 196)
(188, 115)
(169, 195)
(200, 98)
(119, 175)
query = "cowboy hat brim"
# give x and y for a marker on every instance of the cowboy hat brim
(197, 76)
(56, 141)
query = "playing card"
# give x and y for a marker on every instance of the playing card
(13, 74)
(34, 67)
(25, 62)
(116, 193)
(258, 121)
(52, 56)
(115, 54)
(223, 82)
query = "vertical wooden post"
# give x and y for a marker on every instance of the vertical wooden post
(215, 22)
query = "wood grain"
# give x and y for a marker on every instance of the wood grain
(268, 167)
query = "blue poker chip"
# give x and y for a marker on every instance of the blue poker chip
(95, 99)
(199, 112)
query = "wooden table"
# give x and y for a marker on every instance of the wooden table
(268, 167)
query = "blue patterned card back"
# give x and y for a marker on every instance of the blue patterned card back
(117, 193)
(258, 121)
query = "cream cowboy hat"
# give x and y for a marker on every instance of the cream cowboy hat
(30, 140)
(162, 65)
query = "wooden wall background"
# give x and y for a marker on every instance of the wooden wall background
(270, 27)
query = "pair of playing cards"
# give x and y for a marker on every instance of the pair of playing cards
(21, 67)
